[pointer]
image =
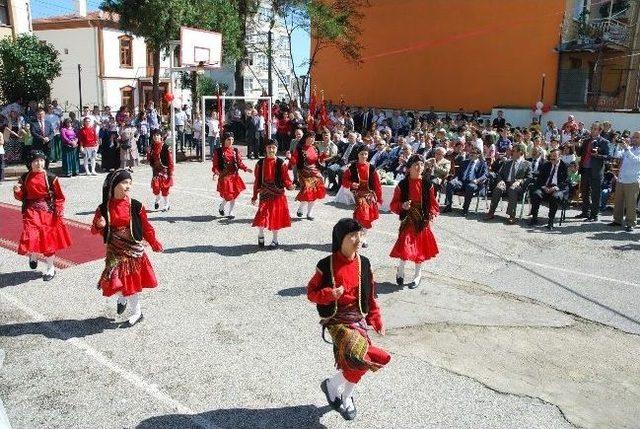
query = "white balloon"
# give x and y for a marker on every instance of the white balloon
(539, 105)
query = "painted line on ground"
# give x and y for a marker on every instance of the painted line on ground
(150, 389)
(484, 254)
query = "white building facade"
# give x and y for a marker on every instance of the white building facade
(112, 68)
(15, 18)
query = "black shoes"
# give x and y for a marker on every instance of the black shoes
(221, 211)
(274, 245)
(231, 217)
(120, 308)
(33, 264)
(156, 205)
(299, 214)
(128, 324)
(416, 282)
(348, 413)
(49, 277)
(336, 404)
(399, 281)
(260, 241)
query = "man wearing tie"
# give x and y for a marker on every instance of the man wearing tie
(593, 152)
(552, 186)
(470, 176)
(43, 133)
(513, 178)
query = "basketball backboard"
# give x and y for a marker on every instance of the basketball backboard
(200, 47)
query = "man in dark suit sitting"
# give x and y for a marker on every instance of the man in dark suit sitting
(552, 186)
(513, 178)
(469, 178)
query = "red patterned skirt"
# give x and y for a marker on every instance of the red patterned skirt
(42, 230)
(311, 184)
(127, 268)
(366, 210)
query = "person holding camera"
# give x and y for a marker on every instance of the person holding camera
(594, 152)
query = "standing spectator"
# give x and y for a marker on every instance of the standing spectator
(57, 110)
(2, 153)
(608, 186)
(283, 133)
(43, 133)
(212, 128)
(142, 125)
(499, 122)
(89, 144)
(593, 152)
(568, 129)
(180, 121)
(152, 116)
(127, 142)
(69, 141)
(628, 184)
(55, 144)
(197, 134)
(75, 123)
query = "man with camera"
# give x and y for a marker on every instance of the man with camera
(594, 152)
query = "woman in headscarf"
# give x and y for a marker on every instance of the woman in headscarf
(414, 200)
(42, 199)
(271, 180)
(123, 223)
(306, 159)
(226, 163)
(344, 292)
(362, 179)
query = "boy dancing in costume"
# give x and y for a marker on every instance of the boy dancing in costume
(363, 180)
(43, 228)
(123, 223)
(344, 292)
(272, 177)
(306, 159)
(161, 162)
(226, 164)
(415, 202)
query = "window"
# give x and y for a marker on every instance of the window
(126, 51)
(4, 12)
(260, 60)
(126, 97)
(248, 83)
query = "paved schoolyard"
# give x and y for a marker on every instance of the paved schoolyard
(514, 327)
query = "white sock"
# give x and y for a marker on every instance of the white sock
(122, 299)
(310, 208)
(400, 272)
(335, 385)
(50, 268)
(86, 166)
(93, 165)
(347, 394)
(158, 199)
(32, 257)
(418, 272)
(166, 201)
(136, 310)
(231, 205)
(261, 233)
(301, 207)
(275, 236)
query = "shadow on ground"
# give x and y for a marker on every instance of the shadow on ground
(174, 219)
(18, 278)
(59, 329)
(301, 416)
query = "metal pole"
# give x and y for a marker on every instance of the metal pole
(203, 120)
(270, 61)
(171, 110)
(80, 87)
(544, 78)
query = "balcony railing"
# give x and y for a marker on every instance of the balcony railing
(611, 31)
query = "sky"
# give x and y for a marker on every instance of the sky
(44, 8)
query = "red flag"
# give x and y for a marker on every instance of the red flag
(220, 116)
(264, 112)
(324, 117)
(312, 105)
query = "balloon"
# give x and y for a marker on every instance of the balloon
(168, 97)
(538, 112)
(539, 105)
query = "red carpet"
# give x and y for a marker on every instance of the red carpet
(85, 247)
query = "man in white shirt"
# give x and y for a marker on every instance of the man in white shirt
(628, 185)
(180, 120)
(57, 109)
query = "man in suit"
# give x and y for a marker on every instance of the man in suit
(552, 185)
(379, 158)
(513, 178)
(593, 152)
(537, 161)
(470, 177)
(43, 134)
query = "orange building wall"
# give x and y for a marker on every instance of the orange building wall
(474, 54)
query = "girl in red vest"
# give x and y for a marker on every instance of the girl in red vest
(415, 201)
(363, 180)
(271, 179)
(161, 162)
(306, 159)
(344, 292)
(226, 164)
(43, 228)
(123, 223)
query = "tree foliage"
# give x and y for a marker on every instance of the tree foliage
(27, 68)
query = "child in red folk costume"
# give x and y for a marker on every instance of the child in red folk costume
(123, 223)
(226, 163)
(306, 159)
(161, 162)
(363, 180)
(272, 177)
(415, 201)
(43, 228)
(344, 291)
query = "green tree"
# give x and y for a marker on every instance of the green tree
(27, 68)
(159, 22)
